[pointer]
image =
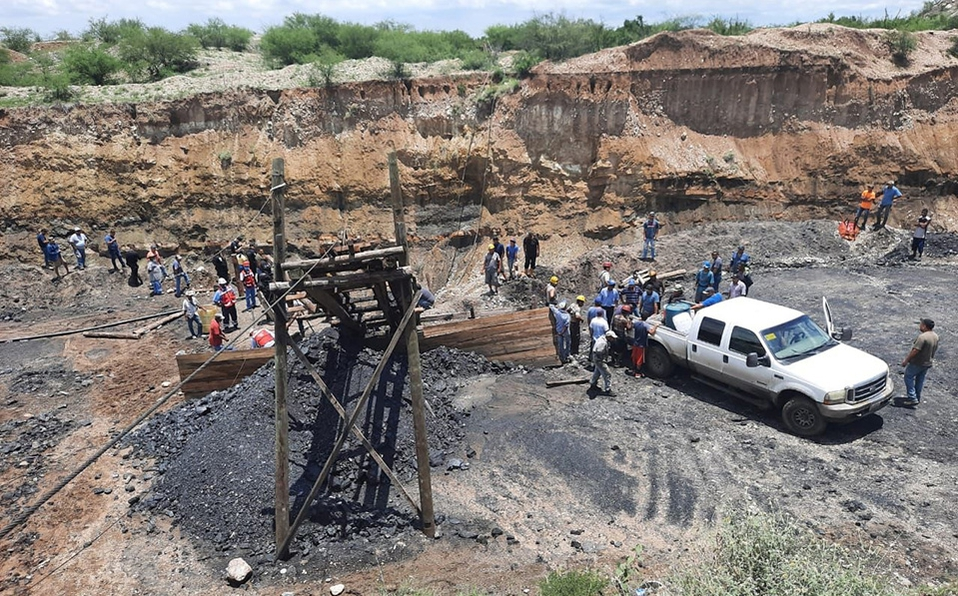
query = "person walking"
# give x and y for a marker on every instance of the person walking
(55, 258)
(225, 298)
(865, 206)
(600, 355)
(132, 259)
(113, 249)
(919, 361)
(42, 241)
(249, 287)
(650, 230)
(217, 336)
(703, 280)
(180, 276)
(918, 236)
(716, 270)
(888, 197)
(530, 246)
(78, 241)
(154, 272)
(561, 322)
(575, 325)
(191, 311)
(512, 254)
(491, 265)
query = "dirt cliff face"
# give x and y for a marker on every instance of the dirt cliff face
(785, 123)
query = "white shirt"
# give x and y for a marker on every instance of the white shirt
(598, 327)
(190, 307)
(604, 277)
(736, 289)
(78, 240)
(920, 229)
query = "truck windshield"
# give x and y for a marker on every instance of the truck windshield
(797, 339)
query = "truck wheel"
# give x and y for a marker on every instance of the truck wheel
(658, 363)
(801, 417)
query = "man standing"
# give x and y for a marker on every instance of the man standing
(918, 236)
(575, 325)
(225, 298)
(179, 275)
(113, 249)
(491, 265)
(650, 303)
(919, 360)
(609, 298)
(512, 253)
(632, 294)
(640, 341)
(865, 206)
(219, 263)
(884, 208)
(740, 264)
(132, 261)
(53, 256)
(606, 275)
(655, 283)
(155, 274)
(552, 290)
(191, 311)
(561, 322)
(710, 297)
(737, 287)
(530, 246)
(600, 353)
(78, 241)
(217, 337)
(716, 270)
(249, 287)
(501, 251)
(703, 280)
(650, 230)
(42, 241)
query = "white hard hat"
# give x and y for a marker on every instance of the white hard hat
(221, 281)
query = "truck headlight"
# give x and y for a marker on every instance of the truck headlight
(836, 397)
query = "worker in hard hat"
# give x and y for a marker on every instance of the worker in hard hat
(262, 338)
(575, 326)
(606, 275)
(552, 290)
(492, 265)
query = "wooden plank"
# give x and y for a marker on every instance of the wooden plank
(562, 382)
(112, 334)
(343, 262)
(345, 282)
(155, 324)
(487, 324)
(334, 308)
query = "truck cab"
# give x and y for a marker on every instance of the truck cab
(774, 356)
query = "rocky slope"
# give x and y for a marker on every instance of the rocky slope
(784, 123)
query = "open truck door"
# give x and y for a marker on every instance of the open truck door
(841, 335)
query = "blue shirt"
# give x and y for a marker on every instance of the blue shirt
(608, 296)
(651, 228)
(704, 278)
(512, 252)
(737, 260)
(631, 294)
(891, 193)
(562, 319)
(594, 311)
(111, 245)
(52, 250)
(649, 301)
(713, 299)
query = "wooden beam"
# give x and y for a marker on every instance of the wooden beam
(112, 334)
(427, 515)
(399, 211)
(281, 479)
(582, 381)
(86, 329)
(334, 308)
(338, 262)
(283, 549)
(155, 324)
(344, 282)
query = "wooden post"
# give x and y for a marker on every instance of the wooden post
(281, 338)
(427, 515)
(399, 215)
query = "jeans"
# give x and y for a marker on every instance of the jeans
(564, 339)
(602, 369)
(649, 245)
(512, 268)
(917, 246)
(881, 216)
(250, 298)
(716, 280)
(195, 325)
(157, 289)
(862, 211)
(915, 380)
(81, 257)
(179, 278)
(114, 257)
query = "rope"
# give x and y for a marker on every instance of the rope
(94, 328)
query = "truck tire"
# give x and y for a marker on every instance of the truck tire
(801, 417)
(658, 363)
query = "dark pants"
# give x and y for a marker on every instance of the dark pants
(917, 246)
(229, 313)
(575, 330)
(609, 311)
(881, 216)
(862, 211)
(530, 262)
(135, 280)
(114, 257)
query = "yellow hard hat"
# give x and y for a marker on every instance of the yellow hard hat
(554, 279)
(580, 298)
(492, 247)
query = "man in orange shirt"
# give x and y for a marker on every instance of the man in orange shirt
(865, 206)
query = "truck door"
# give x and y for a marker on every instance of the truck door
(753, 380)
(706, 355)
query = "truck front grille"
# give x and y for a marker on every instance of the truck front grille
(869, 389)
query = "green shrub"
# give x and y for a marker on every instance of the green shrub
(217, 34)
(902, 44)
(285, 45)
(324, 67)
(523, 63)
(476, 60)
(90, 65)
(111, 32)
(733, 26)
(953, 50)
(573, 583)
(18, 39)
(63, 35)
(356, 41)
(156, 53)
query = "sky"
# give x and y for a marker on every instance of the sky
(47, 17)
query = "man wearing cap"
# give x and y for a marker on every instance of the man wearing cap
(710, 297)
(132, 259)
(78, 241)
(191, 312)
(561, 322)
(180, 276)
(113, 249)
(155, 274)
(552, 290)
(703, 280)
(512, 253)
(865, 206)
(716, 270)
(919, 360)
(606, 274)
(491, 265)
(608, 298)
(918, 236)
(217, 337)
(655, 283)
(225, 298)
(530, 246)
(650, 230)
(631, 293)
(600, 353)
(575, 325)
(888, 197)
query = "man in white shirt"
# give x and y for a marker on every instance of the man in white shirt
(737, 287)
(78, 241)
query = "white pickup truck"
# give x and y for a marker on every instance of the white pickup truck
(773, 356)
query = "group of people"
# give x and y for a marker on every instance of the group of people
(866, 203)
(501, 260)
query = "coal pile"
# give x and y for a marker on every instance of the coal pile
(215, 456)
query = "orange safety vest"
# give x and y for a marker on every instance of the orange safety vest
(847, 230)
(249, 280)
(263, 337)
(228, 298)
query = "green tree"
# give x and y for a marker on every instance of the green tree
(217, 34)
(90, 65)
(111, 32)
(156, 53)
(18, 39)
(357, 41)
(286, 45)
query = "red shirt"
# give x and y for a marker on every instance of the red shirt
(216, 334)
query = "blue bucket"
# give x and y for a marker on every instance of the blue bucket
(674, 309)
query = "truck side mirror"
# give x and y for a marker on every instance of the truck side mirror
(751, 360)
(846, 333)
